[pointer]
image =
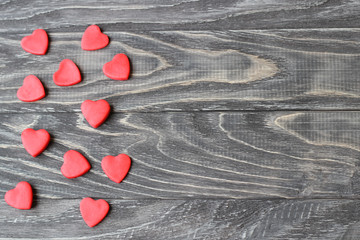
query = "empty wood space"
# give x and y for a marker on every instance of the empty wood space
(241, 119)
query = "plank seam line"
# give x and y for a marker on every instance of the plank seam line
(213, 199)
(179, 29)
(200, 111)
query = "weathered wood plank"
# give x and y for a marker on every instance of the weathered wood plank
(188, 219)
(185, 155)
(192, 71)
(176, 15)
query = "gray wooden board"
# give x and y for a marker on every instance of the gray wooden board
(190, 155)
(173, 14)
(188, 219)
(195, 71)
(207, 117)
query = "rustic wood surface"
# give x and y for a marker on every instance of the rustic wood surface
(178, 14)
(241, 118)
(186, 155)
(189, 219)
(196, 71)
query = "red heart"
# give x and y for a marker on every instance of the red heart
(37, 43)
(31, 90)
(95, 112)
(68, 74)
(94, 39)
(20, 197)
(75, 164)
(118, 68)
(93, 211)
(116, 168)
(35, 142)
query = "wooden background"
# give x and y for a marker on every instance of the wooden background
(241, 118)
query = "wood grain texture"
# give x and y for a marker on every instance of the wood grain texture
(219, 116)
(188, 219)
(192, 155)
(195, 71)
(186, 14)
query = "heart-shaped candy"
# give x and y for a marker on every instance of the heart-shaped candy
(20, 197)
(68, 74)
(94, 39)
(35, 142)
(116, 168)
(93, 211)
(37, 43)
(118, 68)
(75, 164)
(95, 112)
(31, 90)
